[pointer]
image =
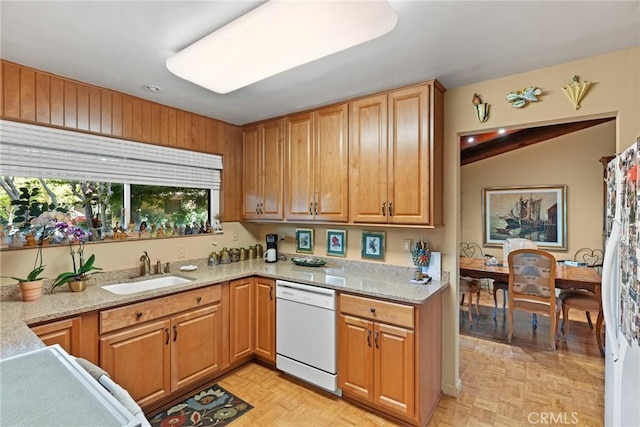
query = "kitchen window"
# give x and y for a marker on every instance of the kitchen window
(114, 190)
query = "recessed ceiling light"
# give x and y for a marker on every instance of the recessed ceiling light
(278, 36)
(501, 131)
(151, 88)
(470, 139)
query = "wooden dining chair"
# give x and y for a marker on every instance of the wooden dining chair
(586, 301)
(532, 288)
(470, 287)
(473, 250)
(508, 246)
(582, 299)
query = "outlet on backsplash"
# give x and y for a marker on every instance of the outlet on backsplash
(181, 252)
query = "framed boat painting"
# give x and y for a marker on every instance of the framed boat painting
(537, 213)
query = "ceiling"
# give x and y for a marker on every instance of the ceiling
(481, 146)
(123, 45)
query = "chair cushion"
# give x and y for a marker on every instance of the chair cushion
(468, 284)
(580, 299)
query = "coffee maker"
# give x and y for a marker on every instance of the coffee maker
(272, 243)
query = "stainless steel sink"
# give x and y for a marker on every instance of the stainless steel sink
(146, 285)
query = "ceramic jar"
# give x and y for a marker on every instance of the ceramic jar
(225, 257)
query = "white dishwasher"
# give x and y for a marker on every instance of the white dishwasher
(306, 333)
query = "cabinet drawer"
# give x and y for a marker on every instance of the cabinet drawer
(381, 311)
(121, 317)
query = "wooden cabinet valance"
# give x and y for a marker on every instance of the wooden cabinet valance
(42, 98)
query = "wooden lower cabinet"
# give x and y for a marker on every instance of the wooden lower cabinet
(139, 359)
(376, 363)
(195, 349)
(252, 319)
(241, 316)
(264, 343)
(77, 335)
(394, 368)
(160, 356)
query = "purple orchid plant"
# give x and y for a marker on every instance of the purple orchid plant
(81, 268)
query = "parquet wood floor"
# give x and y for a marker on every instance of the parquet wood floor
(503, 385)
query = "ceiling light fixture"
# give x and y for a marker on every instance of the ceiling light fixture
(151, 88)
(278, 36)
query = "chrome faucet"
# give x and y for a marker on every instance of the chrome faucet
(145, 264)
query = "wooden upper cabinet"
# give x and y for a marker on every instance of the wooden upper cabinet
(396, 157)
(317, 165)
(331, 158)
(409, 154)
(299, 164)
(251, 164)
(272, 169)
(368, 159)
(262, 182)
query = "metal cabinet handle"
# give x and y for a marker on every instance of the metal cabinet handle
(139, 314)
(271, 292)
(310, 208)
(175, 333)
(257, 209)
(166, 331)
(316, 208)
(372, 309)
(199, 299)
(384, 204)
(375, 339)
(390, 210)
(261, 205)
(369, 337)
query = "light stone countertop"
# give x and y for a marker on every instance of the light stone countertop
(362, 278)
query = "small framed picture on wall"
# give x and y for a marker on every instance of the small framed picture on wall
(337, 242)
(373, 245)
(304, 240)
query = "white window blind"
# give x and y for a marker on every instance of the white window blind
(41, 152)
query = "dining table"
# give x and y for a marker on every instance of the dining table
(567, 276)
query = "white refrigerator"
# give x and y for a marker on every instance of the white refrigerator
(621, 291)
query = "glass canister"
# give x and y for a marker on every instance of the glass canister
(225, 257)
(251, 252)
(235, 254)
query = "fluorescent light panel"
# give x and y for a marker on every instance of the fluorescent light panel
(278, 36)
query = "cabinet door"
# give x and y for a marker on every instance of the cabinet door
(251, 168)
(139, 360)
(409, 156)
(241, 319)
(195, 346)
(272, 153)
(394, 368)
(264, 327)
(331, 164)
(300, 167)
(78, 335)
(355, 356)
(66, 333)
(368, 159)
